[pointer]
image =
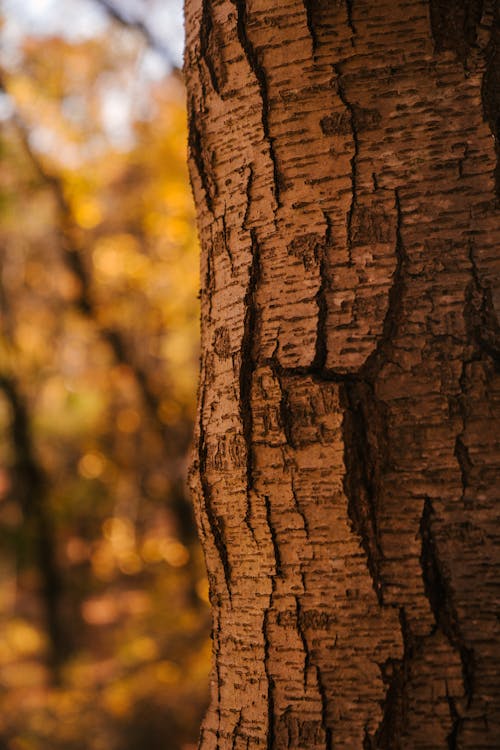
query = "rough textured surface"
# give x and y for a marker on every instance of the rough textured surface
(343, 164)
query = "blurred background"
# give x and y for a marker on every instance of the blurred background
(103, 599)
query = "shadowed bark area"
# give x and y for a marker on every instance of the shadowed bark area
(343, 167)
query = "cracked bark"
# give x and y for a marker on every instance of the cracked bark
(349, 400)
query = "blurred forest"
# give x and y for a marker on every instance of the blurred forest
(103, 599)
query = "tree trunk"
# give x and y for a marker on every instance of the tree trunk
(343, 165)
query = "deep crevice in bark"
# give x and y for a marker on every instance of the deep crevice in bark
(490, 91)
(247, 366)
(198, 155)
(395, 310)
(461, 453)
(362, 430)
(206, 34)
(298, 508)
(208, 288)
(366, 416)
(260, 76)
(217, 635)
(236, 730)
(395, 674)
(435, 583)
(454, 25)
(248, 518)
(274, 540)
(350, 22)
(354, 159)
(440, 596)
(318, 364)
(479, 312)
(248, 188)
(227, 242)
(456, 723)
(215, 522)
(271, 718)
(364, 425)
(267, 658)
(286, 420)
(324, 706)
(302, 636)
(309, 7)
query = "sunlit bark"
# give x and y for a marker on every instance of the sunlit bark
(343, 168)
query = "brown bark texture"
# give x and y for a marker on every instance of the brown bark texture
(343, 157)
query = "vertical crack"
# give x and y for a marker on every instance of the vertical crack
(366, 448)
(350, 23)
(260, 76)
(217, 633)
(302, 636)
(197, 152)
(265, 627)
(490, 90)
(464, 463)
(248, 518)
(454, 25)
(286, 418)
(236, 730)
(395, 310)
(320, 254)
(274, 540)
(298, 507)
(435, 587)
(270, 680)
(309, 7)
(440, 596)
(206, 31)
(324, 709)
(362, 430)
(479, 313)
(395, 674)
(354, 159)
(320, 354)
(227, 242)
(461, 161)
(456, 722)
(248, 195)
(209, 288)
(247, 366)
(216, 522)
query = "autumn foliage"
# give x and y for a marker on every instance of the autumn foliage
(102, 591)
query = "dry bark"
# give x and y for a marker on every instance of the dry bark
(343, 167)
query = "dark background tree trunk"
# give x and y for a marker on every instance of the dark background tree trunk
(343, 163)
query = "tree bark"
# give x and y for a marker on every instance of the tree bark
(343, 163)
